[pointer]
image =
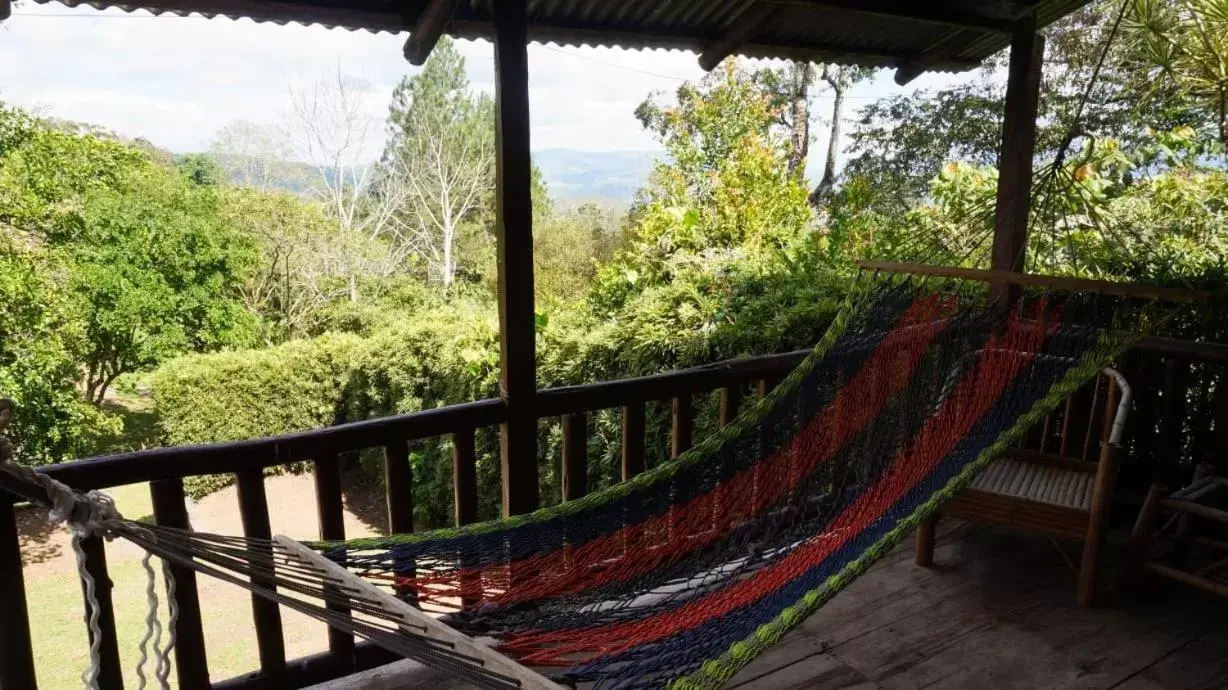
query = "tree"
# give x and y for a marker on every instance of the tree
(156, 273)
(901, 143)
(40, 347)
(201, 169)
(255, 155)
(334, 128)
(724, 204)
(295, 276)
(839, 78)
(1184, 45)
(441, 152)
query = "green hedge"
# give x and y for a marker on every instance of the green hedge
(449, 355)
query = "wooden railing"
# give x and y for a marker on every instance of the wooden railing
(1182, 367)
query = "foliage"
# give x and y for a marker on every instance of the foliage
(40, 343)
(726, 204)
(439, 159)
(1184, 45)
(899, 144)
(156, 273)
(441, 357)
(115, 262)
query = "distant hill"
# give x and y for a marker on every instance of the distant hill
(610, 178)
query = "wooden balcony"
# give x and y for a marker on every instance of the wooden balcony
(986, 587)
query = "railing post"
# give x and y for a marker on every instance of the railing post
(730, 399)
(514, 238)
(465, 500)
(1172, 416)
(464, 477)
(399, 496)
(331, 512)
(266, 615)
(16, 651)
(575, 456)
(683, 425)
(191, 661)
(110, 673)
(633, 440)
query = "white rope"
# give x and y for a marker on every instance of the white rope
(153, 626)
(90, 677)
(164, 657)
(100, 518)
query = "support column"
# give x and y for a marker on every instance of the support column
(1010, 238)
(514, 232)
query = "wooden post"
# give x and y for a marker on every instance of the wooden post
(1010, 237)
(191, 662)
(514, 235)
(110, 673)
(575, 456)
(633, 440)
(1098, 523)
(399, 497)
(266, 614)
(16, 653)
(330, 508)
(1140, 536)
(924, 552)
(464, 477)
(1172, 417)
(731, 396)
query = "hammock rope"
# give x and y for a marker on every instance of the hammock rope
(684, 574)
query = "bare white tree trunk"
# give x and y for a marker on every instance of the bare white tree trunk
(335, 130)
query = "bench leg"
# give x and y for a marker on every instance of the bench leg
(1098, 521)
(925, 541)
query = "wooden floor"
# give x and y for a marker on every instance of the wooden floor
(997, 611)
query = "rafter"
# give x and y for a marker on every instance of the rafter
(743, 28)
(942, 52)
(945, 14)
(428, 29)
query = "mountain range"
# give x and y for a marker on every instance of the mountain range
(609, 178)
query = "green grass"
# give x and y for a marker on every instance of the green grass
(57, 611)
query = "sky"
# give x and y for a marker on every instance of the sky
(176, 81)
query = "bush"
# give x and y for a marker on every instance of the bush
(447, 356)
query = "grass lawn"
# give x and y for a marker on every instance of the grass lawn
(57, 612)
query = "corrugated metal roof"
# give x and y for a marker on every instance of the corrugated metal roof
(819, 30)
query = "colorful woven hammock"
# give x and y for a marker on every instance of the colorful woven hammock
(684, 574)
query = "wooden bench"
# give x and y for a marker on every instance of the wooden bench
(1052, 493)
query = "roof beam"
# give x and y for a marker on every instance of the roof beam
(743, 28)
(933, 13)
(428, 29)
(944, 51)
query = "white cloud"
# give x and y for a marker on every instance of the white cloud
(177, 81)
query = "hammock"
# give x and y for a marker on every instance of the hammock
(681, 576)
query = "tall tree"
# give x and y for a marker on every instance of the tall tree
(441, 148)
(801, 74)
(838, 78)
(335, 135)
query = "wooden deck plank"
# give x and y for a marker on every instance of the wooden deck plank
(817, 672)
(997, 611)
(1201, 664)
